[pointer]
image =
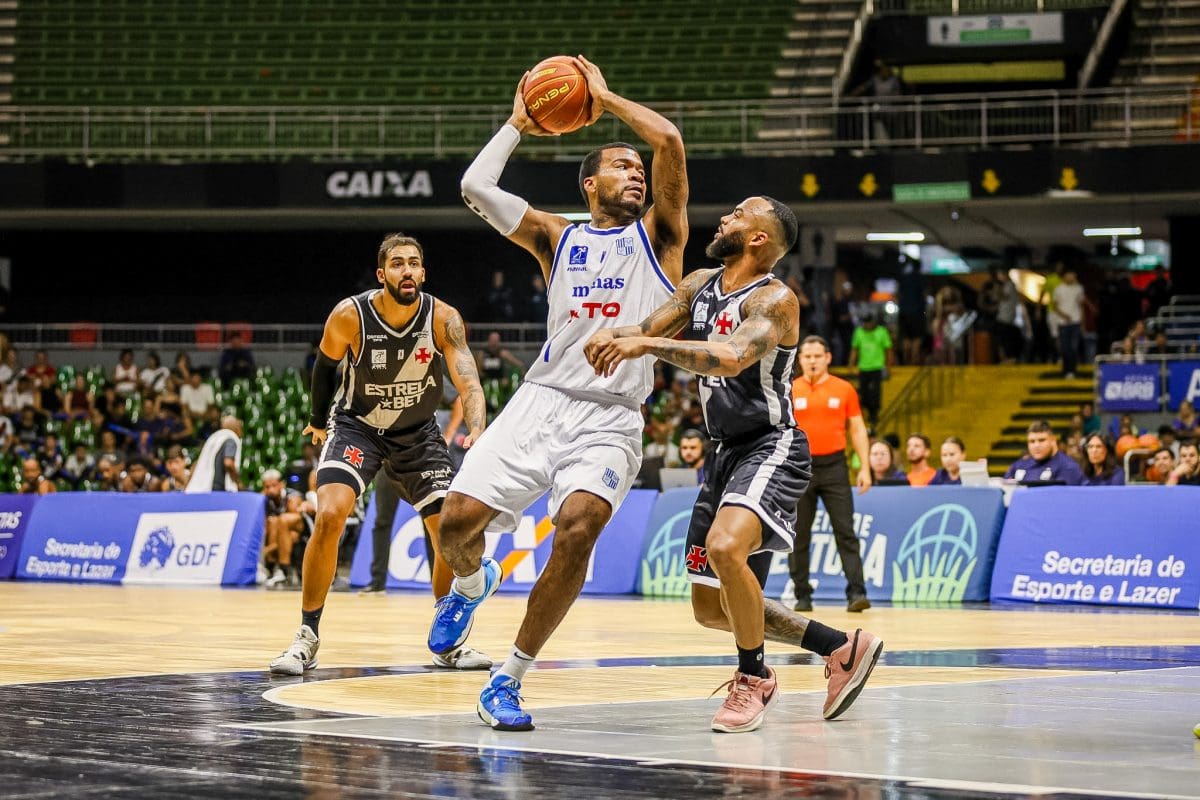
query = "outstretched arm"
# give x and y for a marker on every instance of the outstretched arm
(536, 231)
(450, 336)
(666, 320)
(772, 315)
(666, 222)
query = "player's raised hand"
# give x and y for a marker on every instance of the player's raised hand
(597, 86)
(520, 118)
(318, 434)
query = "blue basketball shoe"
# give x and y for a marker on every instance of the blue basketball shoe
(453, 614)
(500, 705)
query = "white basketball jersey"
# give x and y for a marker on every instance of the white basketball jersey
(600, 278)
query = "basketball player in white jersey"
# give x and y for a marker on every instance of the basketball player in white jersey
(566, 430)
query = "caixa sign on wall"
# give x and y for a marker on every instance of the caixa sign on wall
(378, 184)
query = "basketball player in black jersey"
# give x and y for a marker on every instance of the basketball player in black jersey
(740, 330)
(394, 342)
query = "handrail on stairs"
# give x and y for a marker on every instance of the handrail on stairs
(928, 391)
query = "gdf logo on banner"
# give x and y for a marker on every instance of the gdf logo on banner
(180, 547)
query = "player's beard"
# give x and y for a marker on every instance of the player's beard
(399, 297)
(616, 201)
(731, 244)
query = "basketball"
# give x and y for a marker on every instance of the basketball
(1125, 444)
(557, 96)
(1149, 441)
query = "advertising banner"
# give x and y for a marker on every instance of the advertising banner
(1183, 383)
(522, 553)
(995, 30)
(933, 544)
(145, 538)
(1118, 545)
(1129, 387)
(15, 510)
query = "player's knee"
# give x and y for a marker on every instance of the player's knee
(725, 549)
(576, 538)
(329, 522)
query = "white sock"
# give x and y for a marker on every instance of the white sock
(516, 664)
(471, 586)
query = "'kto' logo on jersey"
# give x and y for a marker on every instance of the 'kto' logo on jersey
(353, 455)
(625, 246)
(593, 310)
(578, 254)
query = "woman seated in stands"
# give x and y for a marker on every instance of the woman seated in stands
(953, 453)
(1099, 462)
(1187, 425)
(882, 460)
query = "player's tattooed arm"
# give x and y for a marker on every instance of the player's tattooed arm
(451, 339)
(666, 320)
(772, 314)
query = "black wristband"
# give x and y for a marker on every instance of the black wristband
(324, 379)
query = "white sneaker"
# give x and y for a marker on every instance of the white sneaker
(300, 656)
(260, 575)
(462, 657)
(276, 578)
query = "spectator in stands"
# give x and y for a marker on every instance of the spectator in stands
(109, 473)
(120, 422)
(1003, 292)
(493, 357)
(10, 368)
(7, 431)
(881, 458)
(871, 353)
(1169, 439)
(125, 374)
(162, 425)
(283, 530)
(110, 446)
(1158, 291)
(50, 456)
(1067, 309)
(236, 360)
(1158, 468)
(1186, 421)
(177, 471)
(912, 302)
(884, 84)
(21, 395)
(170, 393)
(660, 445)
(1091, 420)
(197, 396)
(918, 449)
(693, 417)
(153, 376)
(1122, 426)
(80, 466)
(536, 309)
(948, 314)
(693, 445)
(50, 397)
(28, 431)
(1161, 346)
(1187, 472)
(137, 477)
(1044, 462)
(79, 402)
(953, 453)
(217, 467)
(33, 481)
(499, 305)
(183, 368)
(41, 368)
(1099, 463)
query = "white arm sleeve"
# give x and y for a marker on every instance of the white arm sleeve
(480, 190)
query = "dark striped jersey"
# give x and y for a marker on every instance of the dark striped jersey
(395, 383)
(757, 398)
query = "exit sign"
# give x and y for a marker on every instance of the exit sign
(931, 192)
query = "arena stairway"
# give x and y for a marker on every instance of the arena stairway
(1045, 395)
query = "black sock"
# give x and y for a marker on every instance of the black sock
(750, 662)
(312, 619)
(821, 639)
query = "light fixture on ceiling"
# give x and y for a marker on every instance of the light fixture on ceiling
(1132, 231)
(911, 236)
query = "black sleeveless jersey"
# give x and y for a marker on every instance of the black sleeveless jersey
(396, 381)
(757, 398)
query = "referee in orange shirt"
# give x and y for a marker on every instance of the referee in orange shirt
(825, 406)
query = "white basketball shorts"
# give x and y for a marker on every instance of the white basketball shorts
(545, 440)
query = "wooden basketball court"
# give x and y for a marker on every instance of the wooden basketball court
(163, 691)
